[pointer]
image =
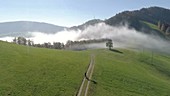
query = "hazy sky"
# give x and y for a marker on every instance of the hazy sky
(69, 12)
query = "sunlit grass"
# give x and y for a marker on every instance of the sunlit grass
(131, 74)
(28, 71)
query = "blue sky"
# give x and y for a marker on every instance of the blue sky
(69, 12)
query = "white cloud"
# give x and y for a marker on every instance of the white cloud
(122, 36)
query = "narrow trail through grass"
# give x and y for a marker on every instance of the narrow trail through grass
(83, 90)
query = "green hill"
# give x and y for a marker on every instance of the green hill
(29, 71)
(133, 73)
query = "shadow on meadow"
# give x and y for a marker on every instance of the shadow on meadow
(117, 51)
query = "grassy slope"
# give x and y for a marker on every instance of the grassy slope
(154, 27)
(151, 25)
(131, 74)
(27, 71)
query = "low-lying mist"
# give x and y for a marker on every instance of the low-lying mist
(122, 37)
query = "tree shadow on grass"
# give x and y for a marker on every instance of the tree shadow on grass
(117, 51)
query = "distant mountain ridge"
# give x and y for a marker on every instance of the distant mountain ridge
(134, 18)
(144, 20)
(86, 24)
(22, 27)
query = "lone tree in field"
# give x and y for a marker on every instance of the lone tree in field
(159, 24)
(109, 44)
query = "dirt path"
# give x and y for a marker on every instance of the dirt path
(83, 91)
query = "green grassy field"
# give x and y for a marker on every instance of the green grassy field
(133, 73)
(155, 27)
(28, 71)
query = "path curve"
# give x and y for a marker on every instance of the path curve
(89, 73)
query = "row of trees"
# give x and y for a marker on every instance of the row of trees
(58, 45)
(164, 27)
(24, 41)
(21, 41)
(55, 45)
(72, 43)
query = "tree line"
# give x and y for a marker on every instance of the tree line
(57, 45)
(164, 27)
(24, 41)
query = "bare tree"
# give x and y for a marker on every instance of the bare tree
(168, 31)
(163, 28)
(15, 40)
